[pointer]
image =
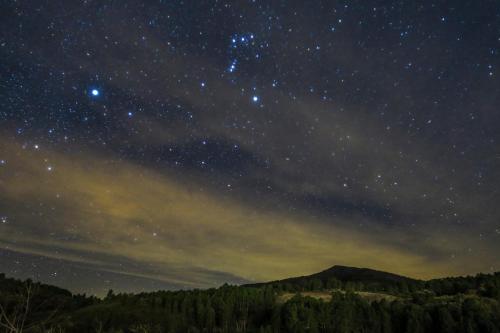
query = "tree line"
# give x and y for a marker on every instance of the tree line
(468, 304)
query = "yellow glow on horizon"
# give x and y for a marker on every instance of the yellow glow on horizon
(106, 210)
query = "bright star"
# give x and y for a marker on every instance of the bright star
(232, 67)
(95, 92)
(255, 98)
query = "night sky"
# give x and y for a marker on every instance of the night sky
(186, 144)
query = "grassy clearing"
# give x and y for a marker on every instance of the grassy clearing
(326, 295)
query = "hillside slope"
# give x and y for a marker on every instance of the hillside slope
(344, 274)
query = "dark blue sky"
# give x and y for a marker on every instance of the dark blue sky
(167, 144)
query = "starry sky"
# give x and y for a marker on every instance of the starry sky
(185, 144)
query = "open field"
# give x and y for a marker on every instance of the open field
(326, 295)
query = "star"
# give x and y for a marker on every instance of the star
(352, 140)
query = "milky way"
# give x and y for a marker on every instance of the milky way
(186, 144)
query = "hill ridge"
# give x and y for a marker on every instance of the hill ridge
(343, 274)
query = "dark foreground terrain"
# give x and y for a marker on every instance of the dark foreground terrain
(339, 299)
